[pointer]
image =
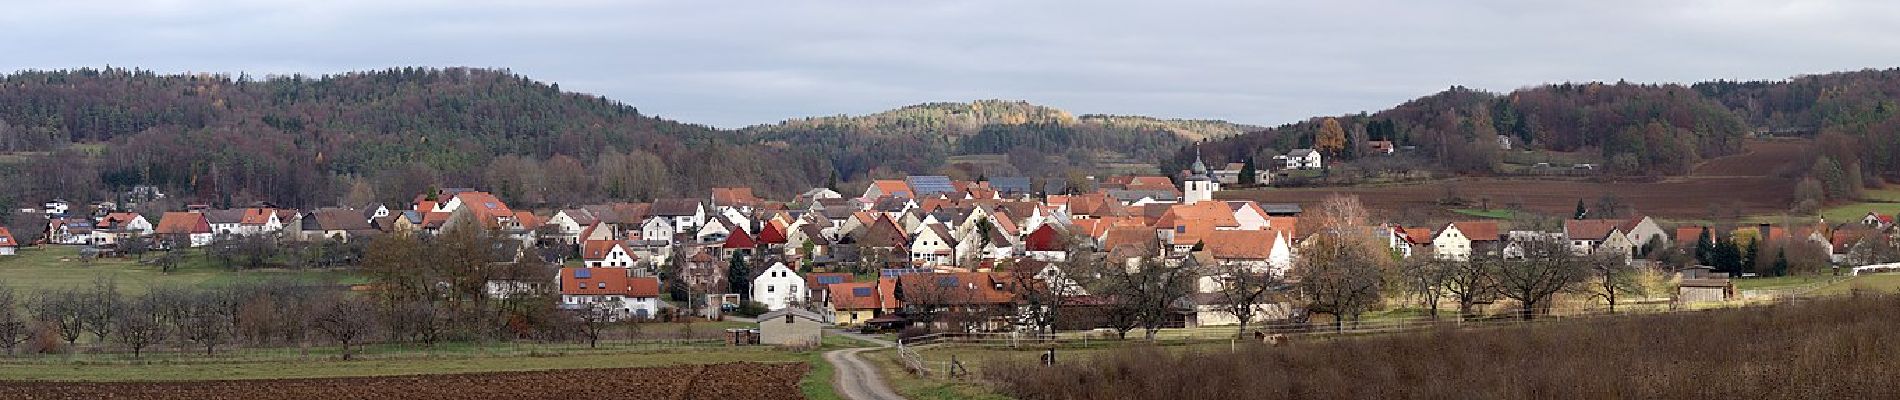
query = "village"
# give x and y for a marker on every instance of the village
(943, 255)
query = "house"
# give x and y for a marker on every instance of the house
(1597, 236)
(611, 289)
(927, 186)
(685, 215)
(658, 229)
(1258, 251)
(607, 254)
(112, 227)
(7, 242)
(333, 223)
(566, 225)
(933, 246)
(979, 298)
(778, 287)
(1702, 284)
(887, 188)
(818, 286)
(1301, 159)
(738, 198)
(852, 303)
(1012, 186)
(1876, 220)
(187, 228)
(1380, 146)
(57, 207)
(1461, 240)
(791, 327)
(1230, 175)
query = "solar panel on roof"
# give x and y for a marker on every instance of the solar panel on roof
(947, 281)
(861, 292)
(583, 274)
(827, 280)
(929, 185)
(893, 272)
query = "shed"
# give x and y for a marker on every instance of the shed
(791, 326)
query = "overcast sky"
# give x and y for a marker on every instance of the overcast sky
(732, 63)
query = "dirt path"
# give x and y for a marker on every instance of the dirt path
(857, 379)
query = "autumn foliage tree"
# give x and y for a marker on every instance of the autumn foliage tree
(1331, 138)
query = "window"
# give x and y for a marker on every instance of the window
(601, 285)
(771, 289)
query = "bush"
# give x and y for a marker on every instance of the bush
(751, 309)
(1789, 351)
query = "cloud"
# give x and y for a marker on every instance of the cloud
(737, 63)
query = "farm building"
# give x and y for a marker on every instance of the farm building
(791, 327)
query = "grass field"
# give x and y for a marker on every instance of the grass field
(447, 362)
(59, 266)
(1782, 282)
(1883, 283)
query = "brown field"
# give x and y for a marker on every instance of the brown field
(717, 381)
(1832, 348)
(1741, 183)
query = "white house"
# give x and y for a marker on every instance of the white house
(610, 289)
(657, 229)
(778, 287)
(933, 245)
(607, 254)
(1301, 159)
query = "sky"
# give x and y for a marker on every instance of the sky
(733, 63)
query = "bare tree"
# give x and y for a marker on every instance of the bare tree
(1342, 267)
(1243, 290)
(139, 325)
(345, 319)
(593, 321)
(1426, 278)
(206, 322)
(101, 307)
(1613, 275)
(13, 326)
(1549, 266)
(65, 309)
(1470, 282)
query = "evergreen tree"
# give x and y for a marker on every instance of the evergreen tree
(1781, 263)
(739, 277)
(1727, 257)
(1249, 175)
(1748, 257)
(1704, 246)
(1582, 212)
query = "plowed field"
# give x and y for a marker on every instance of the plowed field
(1741, 182)
(737, 381)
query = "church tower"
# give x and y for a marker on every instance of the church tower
(1199, 185)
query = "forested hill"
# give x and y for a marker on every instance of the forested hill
(923, 137)
(1639, 129)
(383, 135)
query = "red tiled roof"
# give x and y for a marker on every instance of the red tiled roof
(772, 233)
(1587, 229)
(1481, 231)
(896, 188)
(607, 281)
(6, 238)
(738, 196)
(953, 289)
(847, 296)
(887, 294)
(256, 216)
(737, 238)
(597, 249)
(1250, 245)
(182, 223)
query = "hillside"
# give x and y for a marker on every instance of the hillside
(379, 135)
(1640, 129)
(924, 137)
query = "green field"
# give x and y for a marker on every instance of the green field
(1883, 201)
(59, 266)
(1785, 282)
(1883, 283)
(1492, 214)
